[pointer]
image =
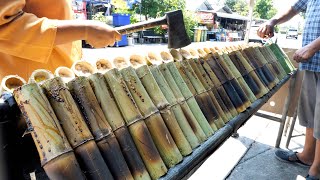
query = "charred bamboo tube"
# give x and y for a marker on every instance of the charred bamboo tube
(158, 98)
(159, 132)
(137, 127)
(233, 80)
(114, 118)
(110, 149)
(11, 82)
(210, 103)
(269, 68)
(65, 73)
(83, 68)
(225, 82)
(192, 105)
(273, 60)
(76, 130)
(270, 79)
(201, 96)
(196, 64)
(258, 68)
(40, 75)
(248, 74)
(239, 77)
(218, 89)
(56, 155)
(175, 107)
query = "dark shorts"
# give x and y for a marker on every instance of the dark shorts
(309, 104)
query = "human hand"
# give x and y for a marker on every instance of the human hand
(266, 29)
(304, 53)
(101, 35)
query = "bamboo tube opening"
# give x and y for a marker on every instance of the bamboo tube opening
(176, 55)
(194, 53)
(83, 68)
(186, 54)
(103, 65)
(65, 73)
(207, 50)
(166, 56)
(40, 75)
(138, 60)
(202, 53)
(11, 82)
(154, 58)
(120, 62)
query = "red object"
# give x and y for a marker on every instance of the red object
(164, 26)
(205, 17)
(79, 9)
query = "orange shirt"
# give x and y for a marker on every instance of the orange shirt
(27, 34)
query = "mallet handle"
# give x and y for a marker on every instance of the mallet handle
(141, 25)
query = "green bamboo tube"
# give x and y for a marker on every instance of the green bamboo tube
(288, 61)
(114, 117)
(280, 58)
(158, 98)
(76, 130)
(199, 93)
(218, 87)
(65, 73)
(175, 107)
(40, 75)
(137, 127)
(185, 109)
(82, 92)
(56, 155)
(193, 105)
(233, 80)
(11, 82)
(239, 77)
(211, 105)
(163, 141)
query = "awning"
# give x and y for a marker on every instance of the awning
(232, 16)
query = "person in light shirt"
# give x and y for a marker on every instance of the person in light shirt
(308, 58)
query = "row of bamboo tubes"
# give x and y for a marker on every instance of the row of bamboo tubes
(136, 118)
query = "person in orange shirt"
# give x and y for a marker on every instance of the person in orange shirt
(38, 34)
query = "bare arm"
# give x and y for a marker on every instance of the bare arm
(267, 29)
(306, 52)
(95, 33)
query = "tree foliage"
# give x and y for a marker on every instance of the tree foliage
(264, 9)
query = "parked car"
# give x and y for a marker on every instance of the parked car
(293, 33)
(253, 36)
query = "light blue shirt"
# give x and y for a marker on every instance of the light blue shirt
(311, 30)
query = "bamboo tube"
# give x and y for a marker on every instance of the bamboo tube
(103, 65)
(282, 58)
(137, 127)
(233, 80)
(65, 73)
(288, 61)
(40, 75)
(238, 76)
(83, 68)
(218, 89)
(248, 74)
(114, 118)
(158, 130)
(110, 149)
(196, 64)
(211, 107)
(56, 155)
(201, 96)
(158, 98)
(175, 107)
(76, 130)
(269, 78)
(11, 82)
(196, 112)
